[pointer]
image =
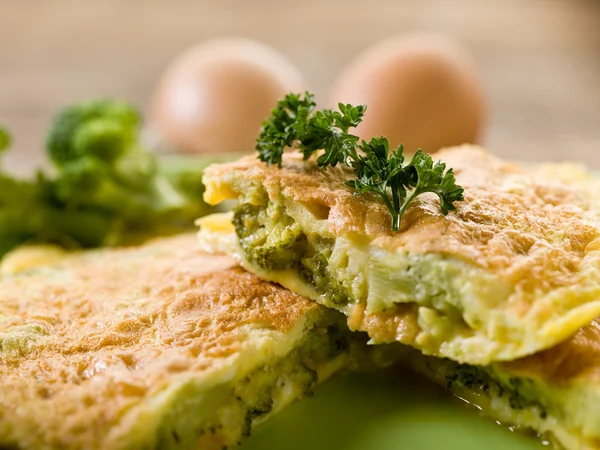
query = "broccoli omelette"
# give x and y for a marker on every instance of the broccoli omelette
(159, 346)
(514, 270)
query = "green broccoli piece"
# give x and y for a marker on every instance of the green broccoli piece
(99, 163)
(27, 212)
(184, 173)
(104, 188)
(103, 128)
(271, 244)
(4, 139)
(17, 216)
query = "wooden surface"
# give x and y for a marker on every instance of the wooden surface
(539, 59)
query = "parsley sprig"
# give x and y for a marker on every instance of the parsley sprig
(295, 123)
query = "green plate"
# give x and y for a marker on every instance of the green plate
(384, 411)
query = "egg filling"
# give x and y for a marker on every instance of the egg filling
(218, 408)
(456, 303)
(231, 411)
(343, 273)
(272, 240)
(512, 272)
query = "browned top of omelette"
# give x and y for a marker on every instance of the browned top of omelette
(90, 348)
(517, 265)
(527, 224)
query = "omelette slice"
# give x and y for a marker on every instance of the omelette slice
(516, 269)
(555, 392)
(159, 346)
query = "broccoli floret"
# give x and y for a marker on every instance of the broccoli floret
(103, 127)
(105, 188)
(468, 376)
(314, 270)
(271, 239)
(246, 221)
(99, 163)
(276, 245)
(27, 212)
(104, 139)
(516, 390)
(282, 250)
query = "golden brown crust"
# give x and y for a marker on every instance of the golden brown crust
(112, 328)
(516, 222)
(577, 358)
(534, 230)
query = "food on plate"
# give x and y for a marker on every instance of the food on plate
(555, 392)
(422, 90)
(104, 188)
(159, 346)
(214, 96)
(512, 271)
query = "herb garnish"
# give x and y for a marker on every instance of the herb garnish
(295, 123)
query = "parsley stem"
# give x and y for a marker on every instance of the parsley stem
(390, 207)
(395, 197)
(398, 217)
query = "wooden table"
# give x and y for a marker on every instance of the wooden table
(539, 59)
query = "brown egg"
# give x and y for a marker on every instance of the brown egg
(214, 97)
(420, 90)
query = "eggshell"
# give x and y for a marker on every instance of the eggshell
(214, 96)
(421, 90)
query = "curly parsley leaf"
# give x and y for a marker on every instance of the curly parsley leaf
(378, 171)
(328, 130)
(382, 173)
(287, 123)
(434, 178)
(323, 132)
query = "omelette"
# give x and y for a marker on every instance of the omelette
(514, 270)
(555, 392)
(159, 346)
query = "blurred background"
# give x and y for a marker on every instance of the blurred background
(539, 60)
